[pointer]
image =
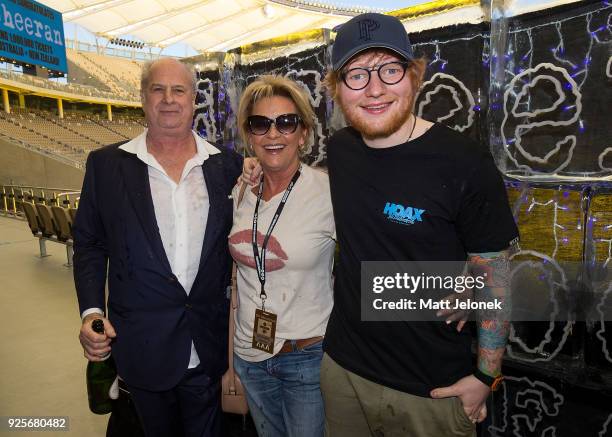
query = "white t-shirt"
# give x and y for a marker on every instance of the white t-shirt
(299, 259)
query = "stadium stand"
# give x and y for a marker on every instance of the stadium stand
(100, 80)
(72, 137)
(117, 75)
(27, 130)
(79, 89)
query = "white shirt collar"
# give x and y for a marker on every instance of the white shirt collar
(138, 146)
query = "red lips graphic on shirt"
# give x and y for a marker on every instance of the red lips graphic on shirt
(241, 248)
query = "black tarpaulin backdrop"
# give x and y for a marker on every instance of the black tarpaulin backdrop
(550, 117)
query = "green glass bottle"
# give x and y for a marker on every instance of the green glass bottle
(100, 377)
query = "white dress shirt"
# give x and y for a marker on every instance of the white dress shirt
(181, 211)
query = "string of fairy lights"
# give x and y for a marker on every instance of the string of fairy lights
(569, 73)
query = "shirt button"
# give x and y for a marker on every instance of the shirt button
(188, 306)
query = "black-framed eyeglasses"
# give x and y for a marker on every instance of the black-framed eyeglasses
(389, 73)
(286, 124)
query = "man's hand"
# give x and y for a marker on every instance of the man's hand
(456, 315)
(251, 171)
(96, 346)
(472, 393)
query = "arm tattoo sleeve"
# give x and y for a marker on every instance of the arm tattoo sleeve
(493, 324)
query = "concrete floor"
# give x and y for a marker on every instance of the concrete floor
(42, 368)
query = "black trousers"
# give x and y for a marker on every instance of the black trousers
(191, 409)
(124, 420)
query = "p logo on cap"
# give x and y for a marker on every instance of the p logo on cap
(366, 27)
(366, 31)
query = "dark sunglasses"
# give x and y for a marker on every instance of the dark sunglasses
(285, 124)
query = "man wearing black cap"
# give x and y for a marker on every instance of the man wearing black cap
(406, 378)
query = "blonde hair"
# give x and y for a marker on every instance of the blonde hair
(269, 86)
(415, 71)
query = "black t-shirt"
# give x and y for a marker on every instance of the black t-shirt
(459, 206)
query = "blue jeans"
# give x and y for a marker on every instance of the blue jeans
(284, 394)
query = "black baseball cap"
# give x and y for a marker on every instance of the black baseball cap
(367, 31)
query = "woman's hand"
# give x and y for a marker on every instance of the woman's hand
(251, 172)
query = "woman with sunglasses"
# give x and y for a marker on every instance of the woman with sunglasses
(283, 243)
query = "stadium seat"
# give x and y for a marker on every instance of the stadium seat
(49, 227)
(32, 217)
(62, 223)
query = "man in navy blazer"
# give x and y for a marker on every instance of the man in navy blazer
(153, 219)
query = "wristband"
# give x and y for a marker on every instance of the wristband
(493, 382)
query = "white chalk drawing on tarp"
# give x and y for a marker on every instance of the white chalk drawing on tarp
(518, 122)
(205, 111)
(461, 117)
(600, 334)
(316, 97)
(538, 351)
(535, 400)
(605, 295)
(602, 156)
(561, 282)
(604, 430)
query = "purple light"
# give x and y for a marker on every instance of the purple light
(566, 194)
(565, 240)
(443, 67)
(476, 107)
(568, 86)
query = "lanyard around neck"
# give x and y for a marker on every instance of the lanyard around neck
(260, 260)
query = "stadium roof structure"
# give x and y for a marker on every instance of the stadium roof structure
(221, 25)
(205, 25)
(211, 25)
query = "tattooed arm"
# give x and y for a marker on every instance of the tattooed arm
(493, 325)
(493, 329)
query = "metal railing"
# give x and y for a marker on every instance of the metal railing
(70, 88)
(13, 195)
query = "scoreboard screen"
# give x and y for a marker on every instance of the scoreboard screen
(32, 33)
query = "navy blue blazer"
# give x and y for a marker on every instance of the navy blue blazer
(154, 317)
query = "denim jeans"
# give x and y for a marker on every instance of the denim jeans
(284, 394)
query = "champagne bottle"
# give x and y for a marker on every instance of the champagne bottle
(100, 377)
